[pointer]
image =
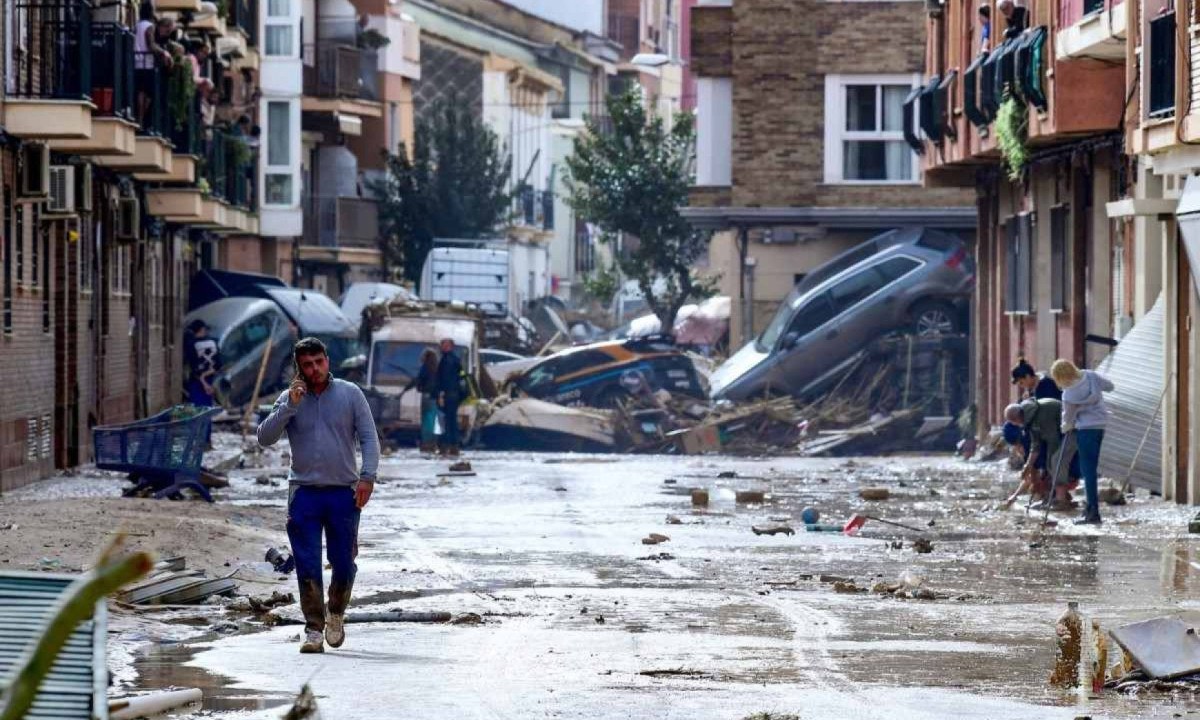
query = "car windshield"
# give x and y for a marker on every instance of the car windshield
(396, 363)
(783, 316)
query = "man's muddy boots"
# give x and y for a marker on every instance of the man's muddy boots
(312, 642)
(335, 630)
(312, 603)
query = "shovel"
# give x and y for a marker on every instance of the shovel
(855, 523)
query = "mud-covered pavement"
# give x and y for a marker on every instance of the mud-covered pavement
(583, 620)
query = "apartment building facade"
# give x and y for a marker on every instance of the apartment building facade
(109, 193)
(800, 145)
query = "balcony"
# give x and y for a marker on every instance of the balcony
(51, 77)
(162, 124)
(533, 209)
(341, 79)
(112, 95)
(228, 170)
(1091, 29)
(341, 230)
(1065, 98)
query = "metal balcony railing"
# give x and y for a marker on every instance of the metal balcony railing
(239, 172)
(52, 50)
(112, 89)
(342, 222)
(150, 101)
(336, 70)
(534, 208)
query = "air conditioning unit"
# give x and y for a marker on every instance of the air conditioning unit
(129, 219)
(35, 170)
(61, 200)
(83, 188)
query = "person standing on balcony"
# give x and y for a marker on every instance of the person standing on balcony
(985, 26)
(149, 38)
(1016, 18)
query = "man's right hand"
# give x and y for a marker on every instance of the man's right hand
(297, 391)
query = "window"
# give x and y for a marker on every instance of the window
(280, 29)
(7, 251)
(864, 129)
(1161, 88)
(813, 315)
(1060, 280)
(278, 177)
(19, 234)
(855, 289)
(896, 268)
(45, 240)
(1019, 231)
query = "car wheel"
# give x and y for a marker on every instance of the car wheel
(933, 319)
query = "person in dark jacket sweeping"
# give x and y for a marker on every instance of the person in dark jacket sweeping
(324, 419)
(449, 389)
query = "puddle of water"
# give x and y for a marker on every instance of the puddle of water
(165, 666)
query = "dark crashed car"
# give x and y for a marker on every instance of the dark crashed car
(590, 375)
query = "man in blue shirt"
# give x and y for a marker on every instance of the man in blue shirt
(324, 418)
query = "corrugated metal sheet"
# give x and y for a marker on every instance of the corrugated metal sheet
(77, 684)
(1136, 369)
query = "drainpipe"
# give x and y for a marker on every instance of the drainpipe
(743, 241)
(748, 305)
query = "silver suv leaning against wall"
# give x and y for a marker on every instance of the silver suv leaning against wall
(914, 279)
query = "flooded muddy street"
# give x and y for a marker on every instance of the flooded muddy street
(581, 619)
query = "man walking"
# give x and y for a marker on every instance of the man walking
(323, 417)
(449, 388)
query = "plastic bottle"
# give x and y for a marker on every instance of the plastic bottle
(1100, 664)
(1068, 643)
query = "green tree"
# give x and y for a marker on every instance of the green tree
(631, 175)
(452, 185)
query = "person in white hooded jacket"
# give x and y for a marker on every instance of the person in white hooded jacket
(1085, 414)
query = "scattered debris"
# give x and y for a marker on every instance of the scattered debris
(658, 557)
(152, 704)
(305, 706)
(467, 619)
(874, 493)
(810, 516)
(922, 546)
(676, 672)
(1068, 646)
(560, 488)
(700, 497)
(726, 475)
(847, 587)
(672, 520)
(1112, 496)
(281, 560)
(599, 619)
(389, 616)
(187, 587)
(750, 496)
(262, 605)
(655, 539)
(1164, 648)
(856, 522)
(772, 530)
(461, 466)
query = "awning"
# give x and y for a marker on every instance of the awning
(846, 218)
(1136, 370)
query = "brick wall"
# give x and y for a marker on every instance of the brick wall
(779, 69)
(27, 404)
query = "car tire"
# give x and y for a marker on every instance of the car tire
(932, 318)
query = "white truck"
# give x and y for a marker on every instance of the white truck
(394, 359)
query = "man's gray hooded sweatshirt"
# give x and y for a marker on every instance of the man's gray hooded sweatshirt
(322, 430)
(1083, 403)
